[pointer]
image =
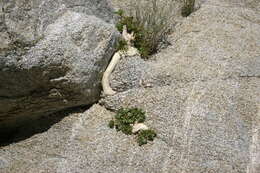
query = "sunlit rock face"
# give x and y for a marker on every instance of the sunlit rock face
(201, 96)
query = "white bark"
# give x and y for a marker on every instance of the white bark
(108, 91)
(105, 80)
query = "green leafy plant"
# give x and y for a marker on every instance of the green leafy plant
(145, 135)
(149, 23)
(111, 124)
(121, 45)
(140, 42)
(188, 8)
(126, 118)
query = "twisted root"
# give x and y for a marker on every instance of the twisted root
(108, 91)
(105, 79)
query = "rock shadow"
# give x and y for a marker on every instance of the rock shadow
(36, 126)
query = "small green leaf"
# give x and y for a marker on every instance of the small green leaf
(111, 124)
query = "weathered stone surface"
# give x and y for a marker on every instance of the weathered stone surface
(129, 73)
(23, 22)
(208, 126)
(205, 109)
(52, 56)
(208, 110)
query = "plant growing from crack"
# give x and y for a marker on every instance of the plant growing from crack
(143, 29)
(145, 135)
(124, 48)
(188, 8)
(131, 121)
(149, 24)
(142, 32)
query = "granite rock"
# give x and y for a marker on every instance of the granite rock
(52, 56)
(203, 100)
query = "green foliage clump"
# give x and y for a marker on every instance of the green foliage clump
(132, 26)
(121, 45)
(149, 26)
(130, 116)
(126, 118)
(144, 136)
(140, 42)
(188, 7)
(111, 124)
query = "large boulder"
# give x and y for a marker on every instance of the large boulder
(52, 56)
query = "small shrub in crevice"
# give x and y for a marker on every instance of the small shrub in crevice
(121, 45)
(140, 41)
(126, 118)
(188, 8)
(144, 136)
(149, 23)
